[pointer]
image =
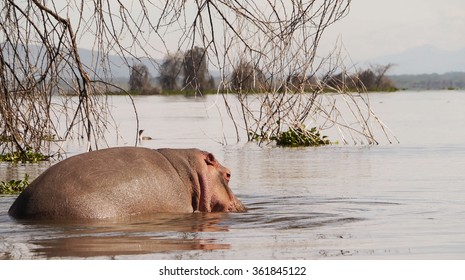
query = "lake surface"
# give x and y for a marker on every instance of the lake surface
(389, 201)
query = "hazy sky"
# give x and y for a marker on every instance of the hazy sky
(375, 28)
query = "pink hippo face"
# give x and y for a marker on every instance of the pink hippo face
(216, 196)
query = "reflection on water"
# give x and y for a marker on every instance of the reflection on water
(389, 201)
(140, 235)
(158, 234)
(94, 246)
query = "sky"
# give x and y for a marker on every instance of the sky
(375, 28)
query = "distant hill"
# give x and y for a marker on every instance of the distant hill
(452, 80)
(425, 67)
(426, 59)
(118, 66)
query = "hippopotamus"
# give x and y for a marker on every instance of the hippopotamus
(125, 181)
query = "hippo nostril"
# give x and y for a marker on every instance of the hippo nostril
(228, 176)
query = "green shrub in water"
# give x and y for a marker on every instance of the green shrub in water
(14, 186)
(25, 156)
(300, 136)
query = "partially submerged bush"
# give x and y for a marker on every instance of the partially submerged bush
(298, 136)
(14, 186)
(24, 156)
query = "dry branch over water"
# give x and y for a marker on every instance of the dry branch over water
(48, 94)
(39, 62)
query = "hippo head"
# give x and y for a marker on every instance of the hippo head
(215, 194)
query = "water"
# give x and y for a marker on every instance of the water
(400, 201)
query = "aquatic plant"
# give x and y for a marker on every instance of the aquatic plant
(24, 156)
(301, 136)
(14, 186)
(295, 136)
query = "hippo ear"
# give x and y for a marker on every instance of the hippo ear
(210, 159)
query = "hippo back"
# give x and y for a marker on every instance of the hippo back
(106, 183)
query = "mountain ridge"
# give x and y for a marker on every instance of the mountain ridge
(425, 59)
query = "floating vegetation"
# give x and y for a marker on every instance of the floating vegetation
(24, 156)
(295, 136)
(299, 136)
(14, 186)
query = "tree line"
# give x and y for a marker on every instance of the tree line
(178, 71)
(189, 72)
(373, 78)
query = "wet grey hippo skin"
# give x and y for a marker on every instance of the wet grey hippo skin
(118, 182)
